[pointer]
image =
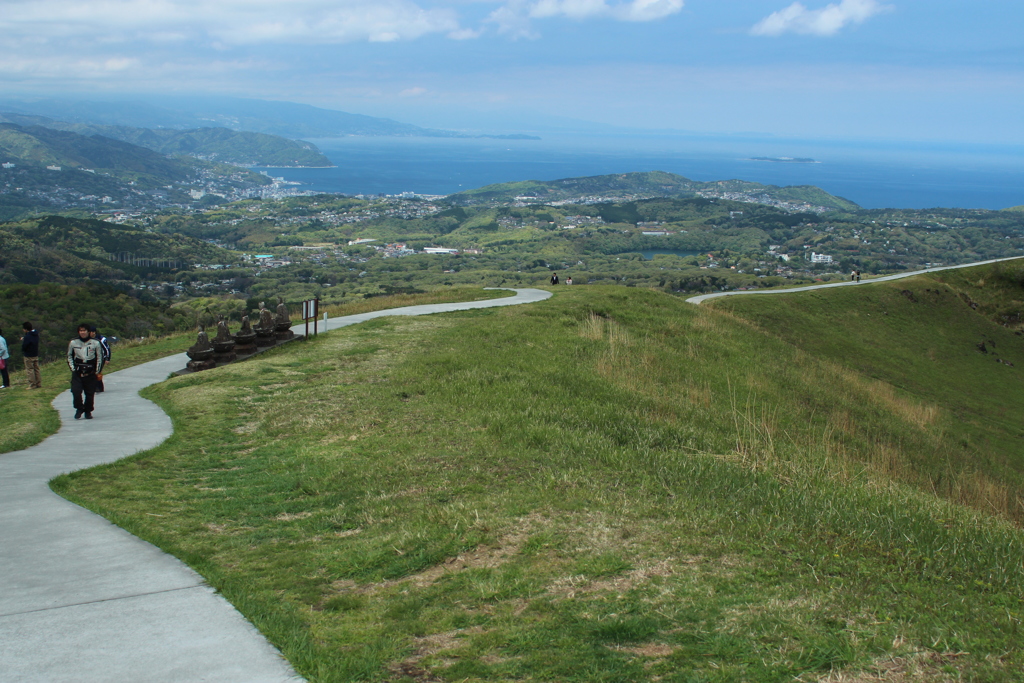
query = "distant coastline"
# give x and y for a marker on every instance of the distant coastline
(786, 160)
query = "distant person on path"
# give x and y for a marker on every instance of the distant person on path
(853, 275)
(568, 280)
(554, 278)
(30, 351)
(85, 358)
(5, 358)
(857, 273)
(94, 334)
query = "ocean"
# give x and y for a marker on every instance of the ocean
(873, 176)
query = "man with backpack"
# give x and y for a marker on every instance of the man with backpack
(94, 334)
(85, 358)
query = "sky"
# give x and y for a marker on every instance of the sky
(934, 71)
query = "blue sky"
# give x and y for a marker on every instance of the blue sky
(911, 70)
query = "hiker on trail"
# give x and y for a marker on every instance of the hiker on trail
(853, 275)
(94, 334)
(85, 358)
(857, 273)
(30, 352)
(5, 358)
(554, 278)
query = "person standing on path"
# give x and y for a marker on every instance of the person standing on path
(85, 358)
(95, 334)
(5, 358)
(30, 351)
(554, 278)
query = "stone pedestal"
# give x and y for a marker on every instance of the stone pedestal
(197, 365)
(265, 338)
(224, 357)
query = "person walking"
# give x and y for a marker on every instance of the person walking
(95, 334)
(85, 358)
(554, 278)
(30, 352)
(5, 358)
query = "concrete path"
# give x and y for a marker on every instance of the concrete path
(82, 600)
(846, 283)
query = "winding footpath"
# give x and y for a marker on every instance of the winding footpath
(82, 600)
(847, 283)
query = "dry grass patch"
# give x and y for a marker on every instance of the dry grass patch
(932, 667)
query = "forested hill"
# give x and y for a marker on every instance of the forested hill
(632, 186)
(215, 144)
(56, 310)
(68, 250)
(41, 146)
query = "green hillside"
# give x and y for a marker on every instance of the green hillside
(642, 186)
(56, 310)
(45, 146)
(614, 485)
(216, 144)
(67, 250)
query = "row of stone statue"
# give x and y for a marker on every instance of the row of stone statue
(227, 347)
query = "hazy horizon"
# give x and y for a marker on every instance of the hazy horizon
(931, 73)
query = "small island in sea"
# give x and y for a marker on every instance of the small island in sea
(786, 160)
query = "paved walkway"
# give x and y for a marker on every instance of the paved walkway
(84, 601)
(847, 283)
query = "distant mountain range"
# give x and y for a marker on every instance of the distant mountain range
(42, 146)
(214, 144)
(286, 119)
(631, 186)
(55, 170)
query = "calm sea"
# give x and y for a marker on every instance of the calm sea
(902, 176)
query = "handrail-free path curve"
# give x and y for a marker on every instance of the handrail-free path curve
(82, 600)
(847, 283)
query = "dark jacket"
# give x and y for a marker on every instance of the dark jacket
(30, 344)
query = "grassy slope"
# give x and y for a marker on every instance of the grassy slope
(922, 337)
(610, 485)
(28, 417)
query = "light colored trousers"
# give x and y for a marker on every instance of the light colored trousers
(35, 380)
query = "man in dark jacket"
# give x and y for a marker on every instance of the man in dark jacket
(30, 351)
(85, 358)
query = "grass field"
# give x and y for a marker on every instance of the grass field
(28, 417)
(611, 485)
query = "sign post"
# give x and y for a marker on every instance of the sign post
(311, 311)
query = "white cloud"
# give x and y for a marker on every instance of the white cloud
(514, 17)
(820, 22)
(228, 22)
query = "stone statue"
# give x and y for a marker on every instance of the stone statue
(283, 322)
(282, 313)
(266, 318)
(223, 334)
(265, 329)
(224, 343)
(201, 353)
(245, 338)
